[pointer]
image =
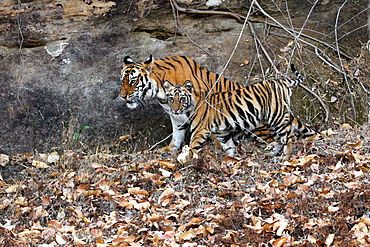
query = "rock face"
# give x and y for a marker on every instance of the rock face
(61, 60)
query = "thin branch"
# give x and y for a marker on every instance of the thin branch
(178, 26)
(241, 19)
(327, 112)
(303, 86)
(328, 61)
(363, 87)
(21, 41)
(292, 32)
(262, 47)
(340, 59)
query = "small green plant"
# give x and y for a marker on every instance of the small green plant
(77, 134)
(147, 131)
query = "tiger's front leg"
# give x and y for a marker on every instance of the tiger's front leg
(178, 133)
(198, 138)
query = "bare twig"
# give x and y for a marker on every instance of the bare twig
(21, 41)
(261, 46)
(327, 61)
(241, 19)
(178, 26)
(363, 87)
(259, 43)
(277, 71)
(327, 112)
(340, 60)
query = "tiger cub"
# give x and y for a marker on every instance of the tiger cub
(181, 101)
(230, 114)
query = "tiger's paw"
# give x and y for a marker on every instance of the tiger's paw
(186, 155)
(167, 149)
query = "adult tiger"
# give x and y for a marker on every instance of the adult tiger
(229, 114)
(145, 80)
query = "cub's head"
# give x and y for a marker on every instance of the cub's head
(136, 83)
(180, 97)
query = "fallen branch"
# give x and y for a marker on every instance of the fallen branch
(207, 12)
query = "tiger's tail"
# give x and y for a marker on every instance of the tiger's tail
(299, 77)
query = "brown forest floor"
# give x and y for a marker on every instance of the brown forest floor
(319, 198)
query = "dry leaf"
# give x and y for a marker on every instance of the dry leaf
(278, 242)
(143, 206)
(165, 173)
(124, 137)
(363, 219)
(137, 190)
(60, 239)
(329, 240)
(22, 201)
(166, 196)
(187, 235)
(4, 159)
(332, 209)
(311, 239)
(149, 175)
(167, 163)
(5, 203)
(177, 176)
(356, 145)
(104, 184)
(12, 188)
(327, 132)
(53, 157)
(39, 164)
(345, 126)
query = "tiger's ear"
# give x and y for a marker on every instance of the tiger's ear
(148, 64)
(188, 85)
(167, 85)
(127, 60)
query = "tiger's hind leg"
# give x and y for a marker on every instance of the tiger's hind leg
(284, 145)
(288, 147)
(302, 130)
(287, 134)
(284, 137)
(228, 144)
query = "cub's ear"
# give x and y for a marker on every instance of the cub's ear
(188, 85)
(167, 85)
(127, 60)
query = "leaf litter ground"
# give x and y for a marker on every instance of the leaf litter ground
(318, 198)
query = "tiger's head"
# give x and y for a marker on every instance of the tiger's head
(136, 83)
(180, 97)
